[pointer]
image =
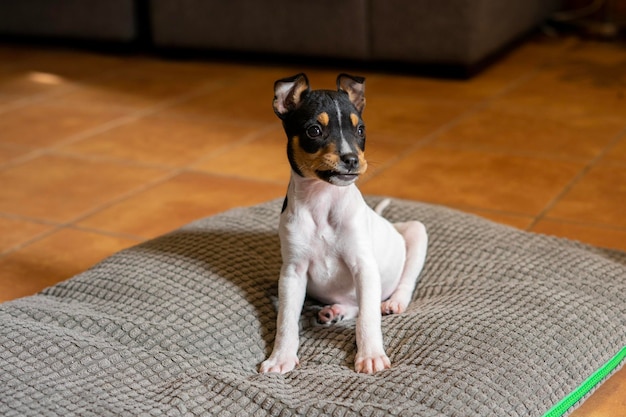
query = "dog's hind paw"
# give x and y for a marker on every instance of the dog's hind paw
(392, 307)
(330, 314)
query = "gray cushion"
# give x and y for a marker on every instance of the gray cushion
(503, 323)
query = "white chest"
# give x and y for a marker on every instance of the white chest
(319, 245)
(329, 236)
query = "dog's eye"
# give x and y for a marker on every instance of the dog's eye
(314, 131)
(361, 131)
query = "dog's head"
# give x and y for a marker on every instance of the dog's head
(326, 135)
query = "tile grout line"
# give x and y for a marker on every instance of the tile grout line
(72, 223)
(473, 109)
(494, 150)
(576, 179)
(85, 134)
(109, 233)
(61, 226)
(137, 190)
(470, 111)
(477, 107)
(54, 224)
(120, 198)
(250, 137)
(28, 242)
(172, 172)
(190, 166)
(237, 177)
(117, 122)
(35, 98)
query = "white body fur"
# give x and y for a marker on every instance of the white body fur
(342, 253)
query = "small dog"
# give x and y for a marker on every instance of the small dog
(333, 245)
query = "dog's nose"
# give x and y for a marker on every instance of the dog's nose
(350, 160)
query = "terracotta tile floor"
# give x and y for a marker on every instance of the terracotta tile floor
(100, 152)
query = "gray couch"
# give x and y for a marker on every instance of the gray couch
(449, 32)
(458, 32)
(90, 20)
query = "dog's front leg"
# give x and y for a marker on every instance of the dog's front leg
(371, 356)
(291, 294)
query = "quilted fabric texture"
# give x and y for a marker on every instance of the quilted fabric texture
(503, 323)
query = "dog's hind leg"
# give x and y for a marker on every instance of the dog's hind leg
(416, 240)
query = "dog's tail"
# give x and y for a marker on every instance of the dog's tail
(380, 207)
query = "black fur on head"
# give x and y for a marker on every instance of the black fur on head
(326, 135)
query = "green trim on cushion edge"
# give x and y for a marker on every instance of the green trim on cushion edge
(562, 406)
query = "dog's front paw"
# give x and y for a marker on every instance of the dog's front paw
(392, 307)
(279, 365)
(371, 364)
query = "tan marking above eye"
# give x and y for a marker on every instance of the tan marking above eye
(354, 119)
(323, 118)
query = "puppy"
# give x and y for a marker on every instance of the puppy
(333, 245)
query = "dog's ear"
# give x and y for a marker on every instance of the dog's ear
(355, 87)
(288, 94)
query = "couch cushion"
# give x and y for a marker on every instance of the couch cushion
(459, 32)
(325, 28)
